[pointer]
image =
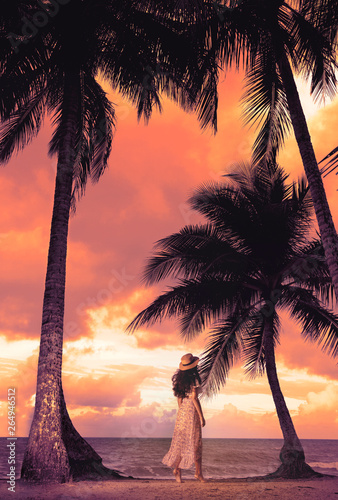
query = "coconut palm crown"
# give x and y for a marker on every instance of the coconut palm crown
(274, 40)
(139, 53)
(235, 273)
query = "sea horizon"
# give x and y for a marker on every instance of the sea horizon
(222, 457)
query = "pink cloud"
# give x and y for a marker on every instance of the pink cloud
(120, 387)
(140, 199)
(145, 421)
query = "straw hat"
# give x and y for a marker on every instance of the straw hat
(188, 361)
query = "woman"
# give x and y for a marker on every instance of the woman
(186, 444)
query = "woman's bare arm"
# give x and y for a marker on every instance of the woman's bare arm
(179, 401)
(198, 407)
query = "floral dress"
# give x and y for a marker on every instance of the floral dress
(186, 444)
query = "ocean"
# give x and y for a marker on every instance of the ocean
(222, 458)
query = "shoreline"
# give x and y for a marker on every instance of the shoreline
(253, 488)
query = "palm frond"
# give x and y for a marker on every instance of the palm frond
(265, 104)
(23, 125)
(138, 62)
(261, 183)
(332, 164)
(196, 302)
(298, 214)
(253, 340)
(162, 55)
(318, 323)
(207, 101)
(226, 344)
(258, 214)
(221, 297)
(238, 32)
(313, 53)
(308, 269)
(193, 251)
(95, 136)
(227, 208)
(220, 354)
(95, 123)
(16, 92)
(323, 15)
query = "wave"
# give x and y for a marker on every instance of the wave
(324, 465)
(222, 458)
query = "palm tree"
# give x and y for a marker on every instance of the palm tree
(273, 39)
(50, 61)
(250, 260)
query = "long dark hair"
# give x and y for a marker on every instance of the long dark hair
(184, 381)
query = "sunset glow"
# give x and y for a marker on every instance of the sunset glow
(117, 384)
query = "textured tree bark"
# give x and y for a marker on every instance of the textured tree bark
(326, 227)
(292, 453)
(84, 462)
(56, 451)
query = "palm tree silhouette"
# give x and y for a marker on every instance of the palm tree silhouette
(250, 260)
(50, 60)
(272, 39)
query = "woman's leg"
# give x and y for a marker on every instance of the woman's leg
(177, 474)
(198, 474)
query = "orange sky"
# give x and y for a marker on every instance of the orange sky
(115, 384)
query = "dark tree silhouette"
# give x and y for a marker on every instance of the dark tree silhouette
(50, 60)
(250, 260)
(273, 40)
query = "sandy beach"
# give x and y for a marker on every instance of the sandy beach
(320, 489)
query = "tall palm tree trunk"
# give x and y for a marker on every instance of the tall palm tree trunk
(46, 457)
(55, 450)
(321, 206)
(292, 454)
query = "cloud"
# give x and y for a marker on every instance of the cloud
(117, 315)
(17, 246)
(129, 400)
(295, 352)
(20, 375)
(120, 387)
(144, 421)
(318, 417)
(234, 423)
(140, 199)
(323, 400)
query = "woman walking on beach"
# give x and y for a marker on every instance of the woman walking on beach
(186, 444)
